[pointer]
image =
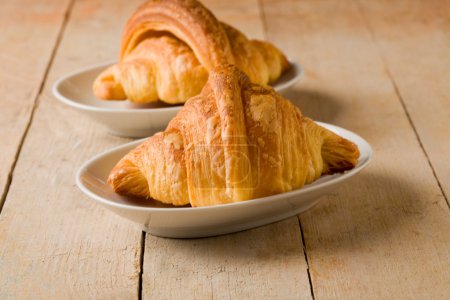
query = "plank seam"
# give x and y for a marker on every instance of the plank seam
(311, 289)
(263, 17)
(141, 265)
(402, 101)
(35, 103)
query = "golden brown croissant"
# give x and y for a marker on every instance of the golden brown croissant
(168, 48)
(233, 142)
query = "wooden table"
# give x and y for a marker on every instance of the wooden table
(379, 68)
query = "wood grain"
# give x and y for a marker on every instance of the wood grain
(244, 15)
(264, 263)
(385, 234)
(380, 68)
(55, 243)
(413, 39)
(27, 39)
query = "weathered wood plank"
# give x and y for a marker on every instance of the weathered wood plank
(413, 38)
(27, 38)
(55, 243)
(264, 263)
(244, 15)
(385, 234)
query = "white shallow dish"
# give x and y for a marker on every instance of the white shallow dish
(189, 222)
(122, 117)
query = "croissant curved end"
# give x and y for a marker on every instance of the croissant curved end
(188, 20)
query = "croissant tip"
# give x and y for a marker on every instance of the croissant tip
(106, 87)
(115, 178)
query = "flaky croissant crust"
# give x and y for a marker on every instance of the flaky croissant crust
(233, 142)
(168, 48)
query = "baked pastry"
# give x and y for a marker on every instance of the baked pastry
(233, 142)
(168, 48)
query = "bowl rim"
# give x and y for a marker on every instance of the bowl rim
(60, 96)
(362, 164)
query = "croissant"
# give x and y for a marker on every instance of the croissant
(168, 48)
(233, 142)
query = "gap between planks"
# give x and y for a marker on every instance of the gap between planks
(400, 97)
(311, 287)
(263, 17)
(141, 264)
(35, 102)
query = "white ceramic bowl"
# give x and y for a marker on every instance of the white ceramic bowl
(122, 117)
(189, 222)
